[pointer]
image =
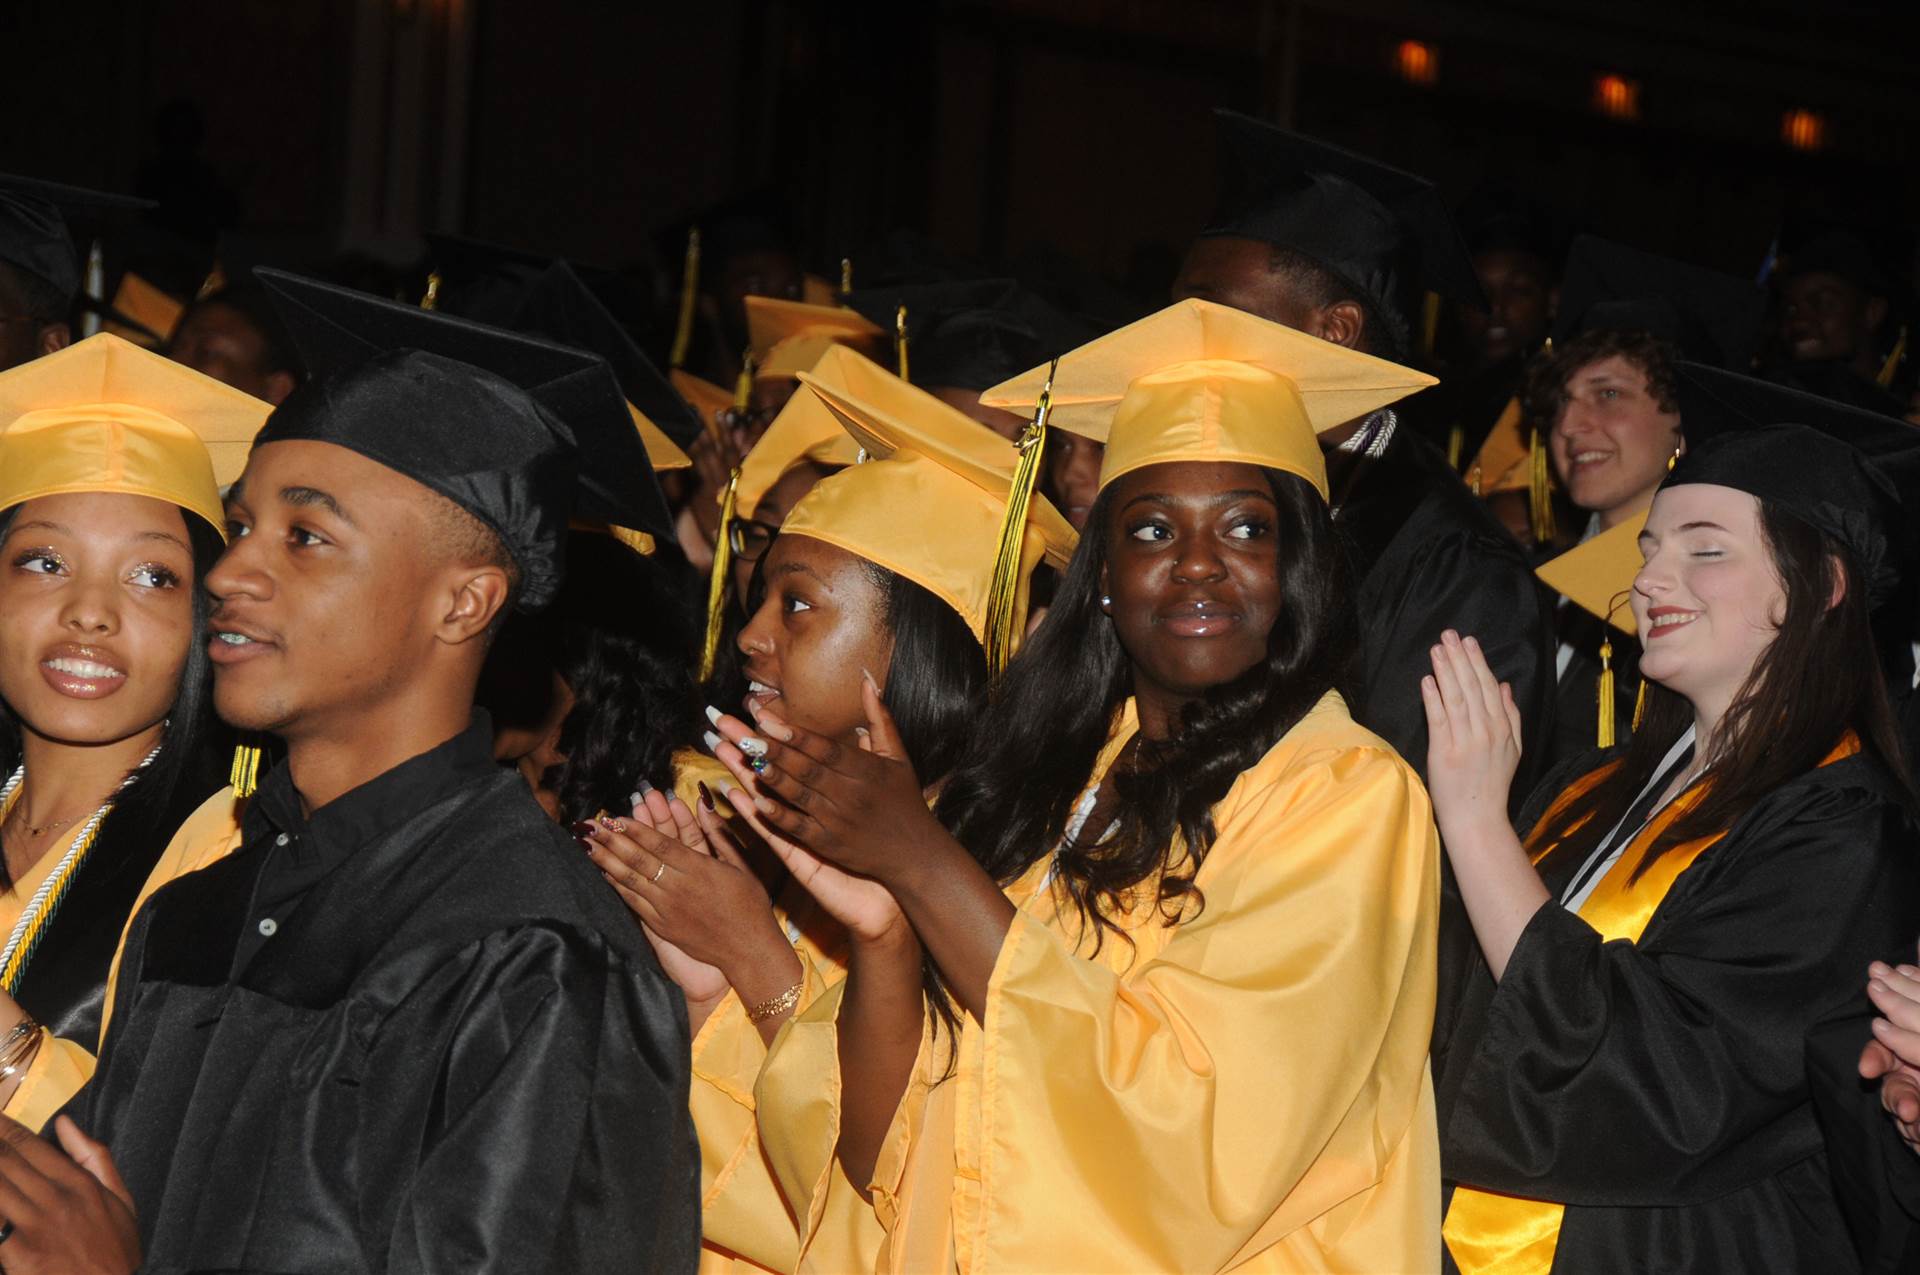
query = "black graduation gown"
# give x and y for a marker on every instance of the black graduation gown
(413, 1033)
(1429, 557)
(1876, 1176)
(1660, 1089)
(1576, 708)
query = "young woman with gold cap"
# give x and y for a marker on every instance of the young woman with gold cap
(110, 459)
(1183, 920)
(1627, 1086)
(885, 568)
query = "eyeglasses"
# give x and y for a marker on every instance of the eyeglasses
(749, 539)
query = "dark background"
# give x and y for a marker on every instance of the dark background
(1001, 128)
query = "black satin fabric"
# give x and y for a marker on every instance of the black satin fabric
(65, 985)
(454, 1052)
(1429, 557)
(1576, 710)
(1660, 1089)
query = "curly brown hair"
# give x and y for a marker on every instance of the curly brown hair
(1544, 394)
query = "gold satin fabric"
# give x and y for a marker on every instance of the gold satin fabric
(1244, 1091)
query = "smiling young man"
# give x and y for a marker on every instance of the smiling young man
(404, 1026)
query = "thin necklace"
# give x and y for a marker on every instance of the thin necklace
(46, 901)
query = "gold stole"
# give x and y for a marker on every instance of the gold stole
(1493, 1234)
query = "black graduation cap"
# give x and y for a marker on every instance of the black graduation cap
(972, 334)
(545, 296)
(1381, 229)
(337, 329)
(1708, 316)
(34, 227)
(1835, 467)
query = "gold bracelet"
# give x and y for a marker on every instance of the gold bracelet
(780, 1004)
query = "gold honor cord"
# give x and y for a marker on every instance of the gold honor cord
(720, 581)
(689, 297)
(1004, 591)
(431, 299)
(900, 342)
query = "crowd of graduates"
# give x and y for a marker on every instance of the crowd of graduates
(1397, 756)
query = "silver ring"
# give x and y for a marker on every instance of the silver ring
(661, 872)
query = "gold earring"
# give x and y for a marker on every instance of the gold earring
(1675, 458)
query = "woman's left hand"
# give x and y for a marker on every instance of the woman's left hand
(1473, 737)
(860, 808)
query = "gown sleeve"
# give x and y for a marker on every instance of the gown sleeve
(1109, 1128)
(1664, 1073)
(1481, 590)
(63, 1067)
(1876, 1176)
(562, 1141)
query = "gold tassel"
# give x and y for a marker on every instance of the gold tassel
(1429, 323)
(1004, 592)
(900, 341)
(245, 775)
(1540, 490)
(1605, 734)
(1892, 366)
(689, 298)
(215, 281)
(846, 275)
(431, 301)
(1456, 443)
(1639, 703)
(721, 580)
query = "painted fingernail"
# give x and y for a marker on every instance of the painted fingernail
(711, 740)
(642, 790)
(861, 731)
(713, 715)
(775, 727)
(732, 795)
(867, 674)
(608, 821)
(706, 796)
(753, 747)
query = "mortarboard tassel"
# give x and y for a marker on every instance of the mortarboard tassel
(1639, 703)
(431, 299)
(1429, 323)
(721, 580)
(1456, 443)
(846, 275)
(1604, 736)
(1005, 588)
(245, 775)
(1540, 491)
(900, 342)
(216, 280)
(689, 296)
(1894, 358)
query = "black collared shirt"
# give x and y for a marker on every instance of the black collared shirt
(420, 1034)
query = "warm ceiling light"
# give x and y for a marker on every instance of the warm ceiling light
(1617, 97)
(1417, 63)
(1803, 130)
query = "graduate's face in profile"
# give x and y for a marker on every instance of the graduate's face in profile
(824, 619)
(332, 598)
(96, 614)
(1612, 441)
(1073, 474)
(1193, 571)
(1708, 599)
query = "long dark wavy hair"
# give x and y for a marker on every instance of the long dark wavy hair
(619, 635)
(1819, 678)
(1011, 797)
(188, 767)
(936, 677)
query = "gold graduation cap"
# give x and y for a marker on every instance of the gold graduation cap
(788, 337)
(146, 305)
(804, 430)
(704, 397)
(817, 291)
(661, 450)
(1200, 381)
(931, 503)
(1504, 460)
(106, 415)
(1597, 576)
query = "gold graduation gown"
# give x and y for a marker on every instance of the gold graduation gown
(1247, 1090)
(63, 1067)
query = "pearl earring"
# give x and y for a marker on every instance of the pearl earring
(1106, 600)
